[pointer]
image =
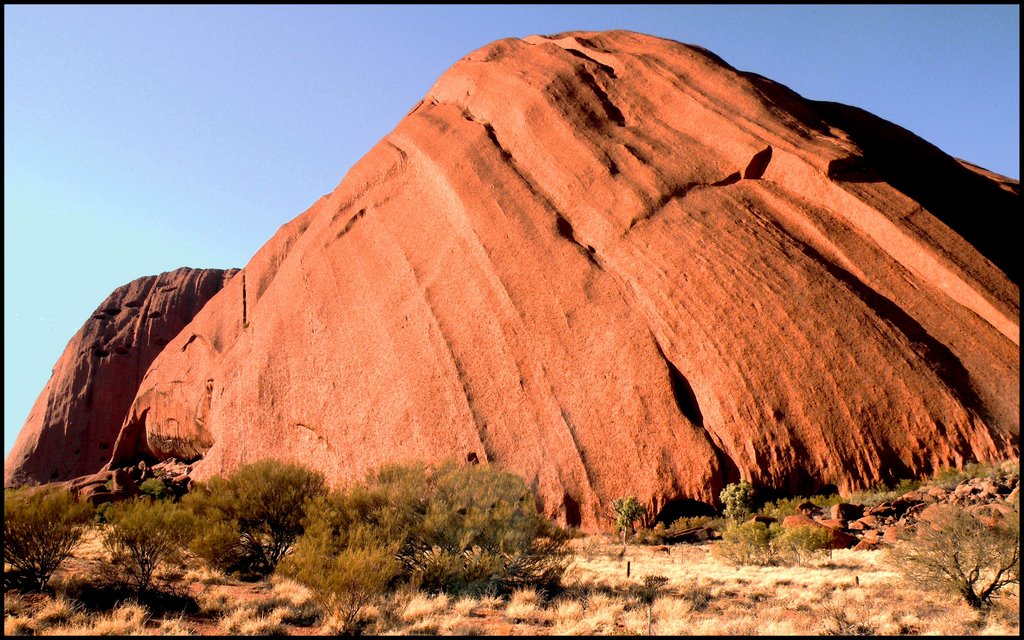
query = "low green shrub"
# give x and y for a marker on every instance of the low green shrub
(265, 503)
(452, 529)
(41, 529)
(155, 488)
(141, 535)
(748, 543)
(798, 545)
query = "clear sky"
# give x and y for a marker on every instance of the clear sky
(142, 139)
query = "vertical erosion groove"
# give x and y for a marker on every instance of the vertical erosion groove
(245, 320)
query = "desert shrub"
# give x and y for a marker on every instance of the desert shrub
(347, 568)
(698, 594)
(653, 535)
(101, 512)
(956, 551)
(948, 478)
(41, 529)
(649, 590)
(451, 529)
(783, 507)
(254, 516)
(797, 545)
(154, 488)
(684, 523)
(907, 485)
(219, 544)
(838, 621)
(141, 535)
(737, 500)
(748, 543)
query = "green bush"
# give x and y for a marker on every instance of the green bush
(684, 523)
(737, 500)
(101, 512)
(154, 488)
(787, 506)
(219, 544)
(41, 529)
(346, 568)
(748, 543)
(653, 536)
(798, 545)
(948, 478)
(265, 502)
(141, 535)
(451, 529)
(954, 550)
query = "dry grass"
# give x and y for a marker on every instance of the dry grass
(128, 619)
(526, 606)
(850, 593)
(422, 606)
(250, 621)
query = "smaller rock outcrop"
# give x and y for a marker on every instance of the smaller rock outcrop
(72, 427)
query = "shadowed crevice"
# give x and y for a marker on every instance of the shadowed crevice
(940, 359)
(579, 54)
(683, 508)
(683, 393)
(970, 204)
(611, 112)
(686, 401)
(758, 164)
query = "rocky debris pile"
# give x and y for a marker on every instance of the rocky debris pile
(867, 527)
(114, 485)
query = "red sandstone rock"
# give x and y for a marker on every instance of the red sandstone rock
(871, 522)
(832, 523)
(808, 509)
(71, 429)
(867, 545)
(893, 534)
(838, 539)
(614, 265)
(845, 512)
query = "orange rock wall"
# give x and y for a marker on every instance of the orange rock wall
(616, 266)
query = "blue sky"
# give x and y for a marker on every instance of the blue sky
(141, 139)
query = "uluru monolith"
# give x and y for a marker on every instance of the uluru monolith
(615, 265)
(72, 427)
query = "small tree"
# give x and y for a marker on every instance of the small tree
(41, 529)
(737, 500)
(627, 511)
(647, 592)
(142, 534)
(955, 550)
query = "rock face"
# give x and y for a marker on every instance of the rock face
(75, 421)
(616, 266)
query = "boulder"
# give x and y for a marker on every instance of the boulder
(846, 512)
(838, 539)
